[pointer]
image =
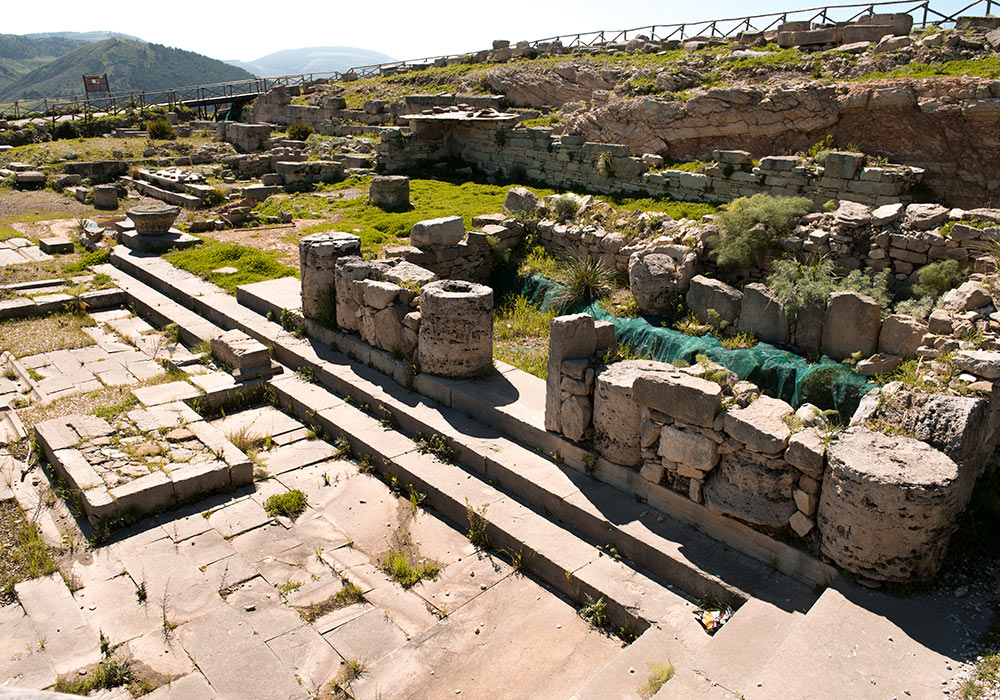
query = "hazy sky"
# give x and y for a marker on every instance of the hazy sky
(400, 28)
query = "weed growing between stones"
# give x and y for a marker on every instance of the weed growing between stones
(350, 594)
(249, 443)
(659, 673)
(402, 568)
(340, 688)
(291, 504)
(26, 555)
(477, 525)
(436, 445)
(109, 673)
(595, 612)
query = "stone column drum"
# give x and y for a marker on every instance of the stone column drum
(889, 505)
(456, 328)
(318, 255)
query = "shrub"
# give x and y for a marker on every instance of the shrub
(799, 284)
(160, 129)
(937, 278)
(299, 131)
(584, 279)
(743, 242)
(290, 504)
(564, 206)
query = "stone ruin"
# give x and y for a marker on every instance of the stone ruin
(152, 230)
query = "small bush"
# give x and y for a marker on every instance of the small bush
(160, 129)
(871, 282)
(538, 262)
(299, 131)
(584, 279)
(799, 284)
(291, 504)
(743, 242)
(564, 206)
(937, 278)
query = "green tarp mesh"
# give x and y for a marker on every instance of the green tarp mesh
(779, 373)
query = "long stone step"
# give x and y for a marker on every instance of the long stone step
(558, 557)
(670, 549)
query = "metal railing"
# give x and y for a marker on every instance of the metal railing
(244, 90)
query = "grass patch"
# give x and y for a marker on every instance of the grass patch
(110, 673)
(659, 674)
(521, 335)
(33, 336)
(350, 594)
(291, 504)
(54, 152)
(376, 228)
(252, 265)
(248, 443)
(670, 207)
(988, 67)
(406, 571)
(25, 554)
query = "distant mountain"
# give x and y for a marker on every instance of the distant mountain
(82, 36)
(130, 65)
(315, 59)
(19, 55)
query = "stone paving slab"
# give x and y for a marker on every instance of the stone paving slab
(70, 643)
(190, 687)
(259, 673)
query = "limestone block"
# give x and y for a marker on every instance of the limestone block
(889, 505)
(805, 501)
(842, 164)
(238, 350)
(763, 314)
(456, 328)
(652, 472)
(851, 325)
(318, 255)
(570, 337)
(753, 488)
(705, 293)
(801, 524)
(761, 425)
(901, 335)
(617, 416)
(982, 363)
(390, 192)
(521, 199)
(576, 416)
(887, 213)
(924, 217)
(688, 447)
(380, 294)
(939, 322)
(852, 214)
(350, 269)
(679, 395)
(659, 274)
(809, 327)
(388, 330)
(105, 196)
(970, 295)
(447, 230)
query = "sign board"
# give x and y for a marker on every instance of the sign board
(96, 83)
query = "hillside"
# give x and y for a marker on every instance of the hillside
(82, 36)
(130, 65)
(315, 59)
(19, 55)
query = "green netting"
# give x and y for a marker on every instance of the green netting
(779, 373)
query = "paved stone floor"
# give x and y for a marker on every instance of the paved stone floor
(124, 353)
(15, 251)
(225, 586)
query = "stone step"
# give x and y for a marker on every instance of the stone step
(627, 675)
(743, 646)
(874, 646)
(673, 548)
(688, 685)
(561, 559)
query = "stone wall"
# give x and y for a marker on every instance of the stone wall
(701, 432)
(452, 253)
(568, 161)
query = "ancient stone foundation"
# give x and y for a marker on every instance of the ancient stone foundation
(456, 329)
(318, 255)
